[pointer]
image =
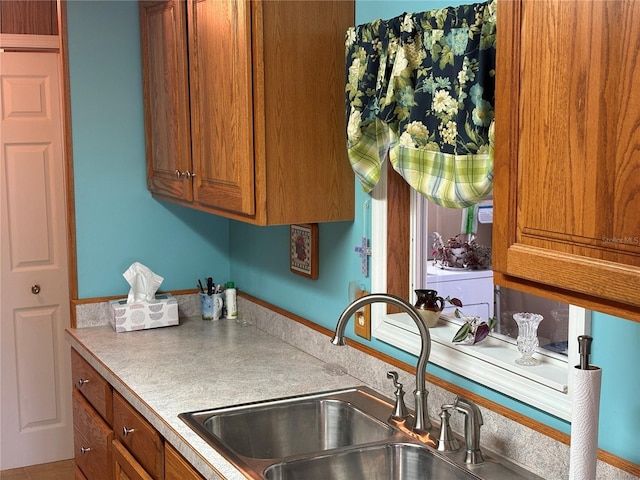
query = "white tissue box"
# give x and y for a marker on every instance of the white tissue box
(160, 312)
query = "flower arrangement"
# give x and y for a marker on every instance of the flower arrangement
(458, 252)
(474, 329)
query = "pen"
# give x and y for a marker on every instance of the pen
(209, 286)
(200, 286)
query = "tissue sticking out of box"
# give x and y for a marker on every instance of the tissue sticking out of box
(144, 283)
(143, 309)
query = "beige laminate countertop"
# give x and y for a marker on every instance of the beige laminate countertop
(199, 365)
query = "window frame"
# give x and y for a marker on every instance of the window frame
(549, 391)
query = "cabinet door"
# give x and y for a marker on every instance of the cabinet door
(221, 104)
(92, 440)
(166, 98)
(567, 158)
(78, 475)
(176, 467)
(125, 466)
(28, 17)
(138, 436)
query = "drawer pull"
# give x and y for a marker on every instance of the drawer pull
(126, 431)
(84, 450)
(82, 381)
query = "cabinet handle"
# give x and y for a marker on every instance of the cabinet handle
(81, 382)
(84, 450)
(126, 431)
(35, 289)
(186, 174)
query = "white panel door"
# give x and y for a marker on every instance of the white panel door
(35, 401)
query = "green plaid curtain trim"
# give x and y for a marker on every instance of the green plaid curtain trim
(453, 181)
(367, 155)
(449, 180)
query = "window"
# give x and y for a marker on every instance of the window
(475, 287)
(492, 362)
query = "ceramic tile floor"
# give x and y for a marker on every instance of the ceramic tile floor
(47, 471)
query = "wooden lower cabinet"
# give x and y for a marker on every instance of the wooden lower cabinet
(92, 386)
(137, 435)
(78, 474)
(125, 466)
(176, 467)
(112, 440)
(92, 439)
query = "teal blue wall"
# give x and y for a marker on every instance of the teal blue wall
(118, 222)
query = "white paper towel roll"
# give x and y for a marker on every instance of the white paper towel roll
(584, 423)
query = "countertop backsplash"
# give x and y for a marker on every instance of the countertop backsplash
(549, 458)
(97, 314)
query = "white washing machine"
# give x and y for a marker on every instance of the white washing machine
(474, 288)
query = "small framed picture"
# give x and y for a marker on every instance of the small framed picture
(303, 249)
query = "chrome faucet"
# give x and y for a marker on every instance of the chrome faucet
(422, 422)
(472, 424)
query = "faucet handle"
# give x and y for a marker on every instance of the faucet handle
(400, 409)
(394, 377)
(447, 442)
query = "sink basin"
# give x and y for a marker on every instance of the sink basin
(277, 431)
(294, 426)
(397, 461)
(336, 435)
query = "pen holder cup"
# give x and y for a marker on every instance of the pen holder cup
(211, 306)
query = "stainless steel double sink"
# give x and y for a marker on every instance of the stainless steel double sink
(336, 435)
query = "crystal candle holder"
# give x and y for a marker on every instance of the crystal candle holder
(527, 337)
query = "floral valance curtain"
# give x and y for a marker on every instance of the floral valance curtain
(420, 88)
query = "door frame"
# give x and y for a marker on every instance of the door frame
(68, 153)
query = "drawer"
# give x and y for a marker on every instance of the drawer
(176, 467)
(142, 440)
(92, 386)
(92, 439)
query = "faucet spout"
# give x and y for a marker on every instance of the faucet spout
(422, 422)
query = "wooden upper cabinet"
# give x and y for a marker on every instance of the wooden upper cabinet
(567, 155)
(166, 97)
(29, 17)
(221, 104)
(266, 107)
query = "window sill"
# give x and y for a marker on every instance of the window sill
(490, 363)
